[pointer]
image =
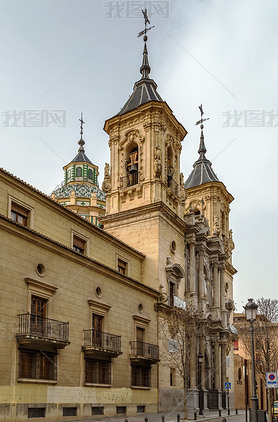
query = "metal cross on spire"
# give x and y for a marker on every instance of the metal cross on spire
(202, 120)
(81, 124)
(81, 142)
(202, 148)
(145, 14)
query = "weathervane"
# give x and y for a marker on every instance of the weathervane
(145, 14)
(81, 142)
(202, 120)
(81, 125)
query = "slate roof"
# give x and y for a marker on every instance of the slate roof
(81, 156)
(202, 169)
(144, 90)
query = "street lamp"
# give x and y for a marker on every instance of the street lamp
(251, 312)
(201, 398)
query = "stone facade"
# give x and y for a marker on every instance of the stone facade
(132, 317)
(52, 297)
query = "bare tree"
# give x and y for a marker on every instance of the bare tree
(268, 308)
(266, 337)
(181, 333)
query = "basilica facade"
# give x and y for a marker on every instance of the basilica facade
(118, 300)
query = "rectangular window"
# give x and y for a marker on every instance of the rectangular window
(69, 411)
(97, 372)
(236, 345)
(97, 410)
(19, 214)
(141, 409)
(36, 412)
(122, 266)
(78, 244)
(140, 340)
(97, 323)
(37, 365)
(140, 376)
(172, 292)
(172, 377)
(38, 315)
(121, 410)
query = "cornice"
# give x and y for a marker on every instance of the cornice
(150, 106)
(152, 210)
(192, 192)
(37, 195)
(60, 249)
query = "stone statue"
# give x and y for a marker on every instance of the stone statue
(231, 244)
(182, 191)
(157, 162)
(106, 185)
(216, 226)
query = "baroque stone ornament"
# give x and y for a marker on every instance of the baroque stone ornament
(157, 162)
(106, 185)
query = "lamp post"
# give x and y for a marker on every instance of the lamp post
(251, 312)
(201, 405)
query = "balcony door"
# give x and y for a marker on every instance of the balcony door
(140, 338)
(38, 315)
(97, 324)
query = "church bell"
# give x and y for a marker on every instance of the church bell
(133, 168)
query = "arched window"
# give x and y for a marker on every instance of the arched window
(132, 167)
(79, 172)
(170, 168)
(90, 174)
(223, 222)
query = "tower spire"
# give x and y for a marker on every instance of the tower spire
(145, 68)
(202, 148)
(81, 141)
(202, 170)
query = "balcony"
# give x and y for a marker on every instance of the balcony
(37, 332)
(102, 344)
(140, 351)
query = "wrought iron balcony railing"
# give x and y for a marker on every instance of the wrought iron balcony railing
(46, 328)
(98, 340)
(142, 350)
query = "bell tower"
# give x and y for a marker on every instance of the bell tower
(144, 187)
(145, 145)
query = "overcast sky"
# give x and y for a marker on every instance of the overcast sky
(61, 57)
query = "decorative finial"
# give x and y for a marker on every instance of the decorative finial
(202, 149)
(145, 68)
(81, 142)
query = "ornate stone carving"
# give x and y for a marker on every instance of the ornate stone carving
(163, 295)
(106, 185)
(216, 226)
(231, 244)
(157, 162)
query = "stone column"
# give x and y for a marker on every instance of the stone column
(201, 284)
(216, 284)
(222, 294)
(223, 365)
(192, 284)
(203, 373)
(216, 365)
(193, 365)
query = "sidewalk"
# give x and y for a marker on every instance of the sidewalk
(210, 415)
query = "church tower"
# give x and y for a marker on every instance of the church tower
(79, 191)
(144, 187)
(207, 195)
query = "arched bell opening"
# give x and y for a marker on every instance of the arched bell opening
(170, 167)
(132, 163)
